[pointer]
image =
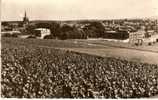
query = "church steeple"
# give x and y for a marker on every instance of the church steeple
(25, 14)
(25, 20)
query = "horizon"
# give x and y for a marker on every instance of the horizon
(155, 18)
(69, 10)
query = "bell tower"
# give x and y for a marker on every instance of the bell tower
(25, 20)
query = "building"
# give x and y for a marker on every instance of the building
(137, 37)
(120, 35)
(42, 32)
(25, 20)
(21, 26)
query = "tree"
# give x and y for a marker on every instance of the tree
(5, 23)
(43, 25)
(66, 28)
(55, 29)
(49, 37)
(96, 29)
(30, 29)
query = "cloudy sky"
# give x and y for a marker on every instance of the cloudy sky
(77, 9)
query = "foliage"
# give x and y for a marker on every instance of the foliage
(36, 72)
(30, 29)
(96, 28)
(9, 35)
(49, 37)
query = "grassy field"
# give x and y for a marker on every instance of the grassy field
(131, 55)
(145, 47)
(39, 69)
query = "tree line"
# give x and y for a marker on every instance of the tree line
(91, 30)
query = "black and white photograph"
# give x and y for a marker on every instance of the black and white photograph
(79, 49)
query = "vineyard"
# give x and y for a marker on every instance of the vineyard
(36, 72)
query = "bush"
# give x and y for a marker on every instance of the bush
(149, 43)
(31, 36)
(49, 37)
(9, 35)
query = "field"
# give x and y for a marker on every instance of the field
(125, 51)
(53, 68)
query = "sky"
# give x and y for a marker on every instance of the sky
(77, 9)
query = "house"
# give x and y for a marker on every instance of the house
(137, 36)
(149, 33)
(141, 37)
(42, 32)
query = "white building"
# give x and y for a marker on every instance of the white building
(134, 37)
(43, 32)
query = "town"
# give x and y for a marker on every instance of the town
(133, 31)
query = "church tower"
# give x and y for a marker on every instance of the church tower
(25, 20)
